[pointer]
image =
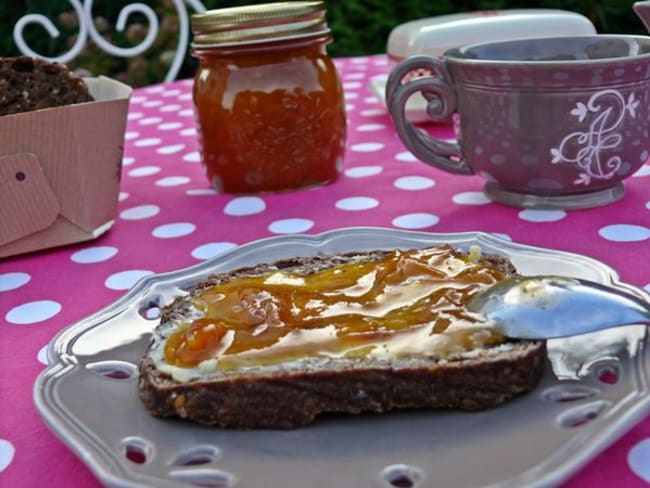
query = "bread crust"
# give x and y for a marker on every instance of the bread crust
(290, 397)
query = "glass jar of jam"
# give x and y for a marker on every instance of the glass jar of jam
(268, 100)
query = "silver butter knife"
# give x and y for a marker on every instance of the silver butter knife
(546, 307)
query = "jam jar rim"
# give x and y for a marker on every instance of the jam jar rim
(259, 23)
(324, 36)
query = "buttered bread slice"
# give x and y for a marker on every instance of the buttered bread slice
(274, 345)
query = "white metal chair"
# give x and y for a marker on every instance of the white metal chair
(84, 11)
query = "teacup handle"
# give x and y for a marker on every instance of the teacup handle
(441, 103)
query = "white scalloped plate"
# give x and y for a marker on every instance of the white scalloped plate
(539, 439)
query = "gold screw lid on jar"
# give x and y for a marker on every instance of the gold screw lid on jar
(258, 23)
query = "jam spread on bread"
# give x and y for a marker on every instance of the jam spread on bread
(408, 302)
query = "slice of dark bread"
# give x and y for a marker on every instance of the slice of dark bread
(292, 395)
(28, 84)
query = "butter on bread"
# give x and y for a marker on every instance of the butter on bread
(338, 339)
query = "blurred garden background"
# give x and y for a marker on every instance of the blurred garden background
(359, 27)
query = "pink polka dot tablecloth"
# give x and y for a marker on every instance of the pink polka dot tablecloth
(169, 218)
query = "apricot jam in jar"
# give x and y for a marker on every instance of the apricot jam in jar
(267, 97)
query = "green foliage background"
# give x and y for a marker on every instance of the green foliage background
(359, 27)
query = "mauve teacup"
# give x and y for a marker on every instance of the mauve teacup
(548, 123)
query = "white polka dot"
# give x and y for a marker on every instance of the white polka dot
(125, 280)
(95, 254)
(642, 171)
(170, 125)
(372, 112)
(359, 60)
(170, 108)
(150, 121)
(624, 233)
(380, 62)
(193, 157)
(532, 215)
(176, 229)
(212, 249)
(185, 96)
(471, 198)
(173, 181)
(290, 226)
(371, 100)
(127, 161)
(350, 96)
(370, 127)
(354, 76)
(122, 196)
(155, 89)
(638, 459)
(131, 135)
(351, 85)
(188, 112)
(140, 212)
(414, 183)
(415, 221)
(170, 149)
(153, 103)
(144, 171)
(33, 312)
(644, 156)
(171, 93)
(363, 171)
(147, 142)
(197, 192)
(244, 206)
(357, 203)
(367, 147)
(11, 281)
(42, 355)
(406, 157)
(7, 452)
(137, 99)
(134, 116)
(349, 107)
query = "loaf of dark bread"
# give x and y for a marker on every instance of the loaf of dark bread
(28, 84)
(289, 396)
